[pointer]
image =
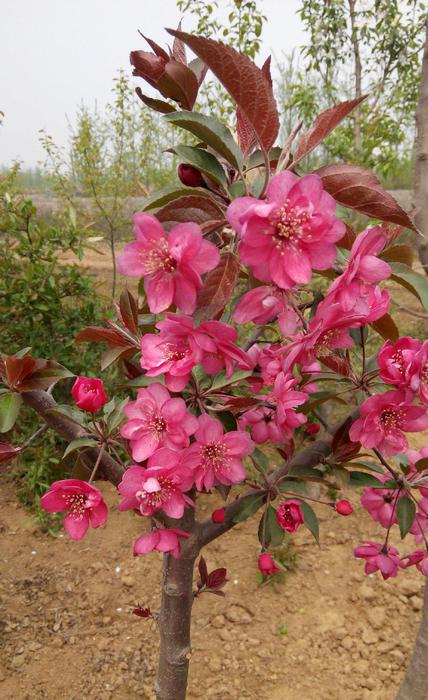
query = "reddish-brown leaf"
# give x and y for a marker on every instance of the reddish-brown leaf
(203, 571)
(128, 308)
(336, 363)
(398, 253)
(190, 208)
(341, 436)
(386, 328)
(244, 81)
(8, 452)
(159, 51)
(216, 578)
(247, 137)
(322, 127)
(179, 83)
(218, 288)
(357, 188)
(178, 49)
(348, 238)
(158, 105)
(96, 334)
(15, 369)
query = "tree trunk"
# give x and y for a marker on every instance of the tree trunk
(175, 616)
(421, 166)
(415, 684)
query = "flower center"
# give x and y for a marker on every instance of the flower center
(214, 455)
(75, 504)
(289, 226)
(155, 498)
(424, 374)
(157, 424)
(398, 360)
(287, 515)
(174, 352)
(326, 341)
(158, 258)
(390, 419)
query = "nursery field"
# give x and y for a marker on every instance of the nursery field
(67, 630)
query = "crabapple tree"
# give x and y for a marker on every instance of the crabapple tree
(258, 306)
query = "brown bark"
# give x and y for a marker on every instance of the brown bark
(421, 165)
(415, 684)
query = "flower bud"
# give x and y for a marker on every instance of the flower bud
(217, 516)
(312, 428)
(190, 176)
(343, 507)
(89, 394)
(289, 515)
(267, 565)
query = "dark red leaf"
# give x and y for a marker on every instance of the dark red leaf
(218, 288)
(157, 105)
(341, 436)
(190, 208)
(128, 308)
(15, 369)
(266, 70)
(336, 363)
(386, 328)
(244, 81)
(203, 571)
(322, 127)
(348, 239)
(247, 137)
(159, 51)
(179, 50)
(347, 451)
(216, 578)
(179, 83)
(101, 335)
(399, 253)
(142, 612)
(147, 66)
(357, 188)
(7, 452)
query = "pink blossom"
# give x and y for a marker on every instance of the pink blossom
(286, 399)
(385, 418)
(343, 507)
(415, 456)
(420, 523)
(269, 360)
(292, 232)
(418, 558)
(354, 289)
(418, 373)
(83, 503)
(89, 394)
(289, 515)
(215, 457)
(165, 540)
(159, 487)
(157, 420)
(180, 346)
(395, 359)
(381, 503)
(267, 565)
(171, 264)
(379, 557)
(263, 427)
(264, 304)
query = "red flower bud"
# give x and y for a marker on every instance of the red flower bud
(217, 516)
(190, 176)
(289, 515)
(312, 428)
(267, 565)
(89, 394)
(343, 507)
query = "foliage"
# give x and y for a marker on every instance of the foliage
(357, 48)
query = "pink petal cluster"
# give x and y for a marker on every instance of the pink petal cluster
(171, 264)
(415, 456)
(160, 486)
(395, 360)
(215, 457)
(379, 557)
(165, 541)
(355, 289)
(385, 418)
(289, 515)
(180, 346)
(381, 503)
(418, 559)
(89, 394)
(264, 304)
(157, 420)
(418, 373)
(83, 503)
(267, 565)
(292, 232)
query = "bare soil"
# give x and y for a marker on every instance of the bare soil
(327, 633)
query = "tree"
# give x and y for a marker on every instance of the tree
(360, 48)
(250, 241)
(421, 165)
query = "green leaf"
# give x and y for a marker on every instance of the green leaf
(79, 443)
(168, 194)
(406, 513)
(260, 460)
(203, 161)
(320, 397)
(311, 520)
(144, 380)
(69, 413)
(257, 160)
(248, 505)
(364, 479)
(414, 282)
(211, 132)
(290, 485)
(227, 419)
(369, 465)
(116, 416)
(9, 410)
(274, 534)
(220, 380)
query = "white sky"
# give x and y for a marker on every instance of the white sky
(56, 53)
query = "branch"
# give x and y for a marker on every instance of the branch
(43, 403)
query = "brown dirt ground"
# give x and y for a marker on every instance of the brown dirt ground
(67, 631)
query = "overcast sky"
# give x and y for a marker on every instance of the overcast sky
(56, 53)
